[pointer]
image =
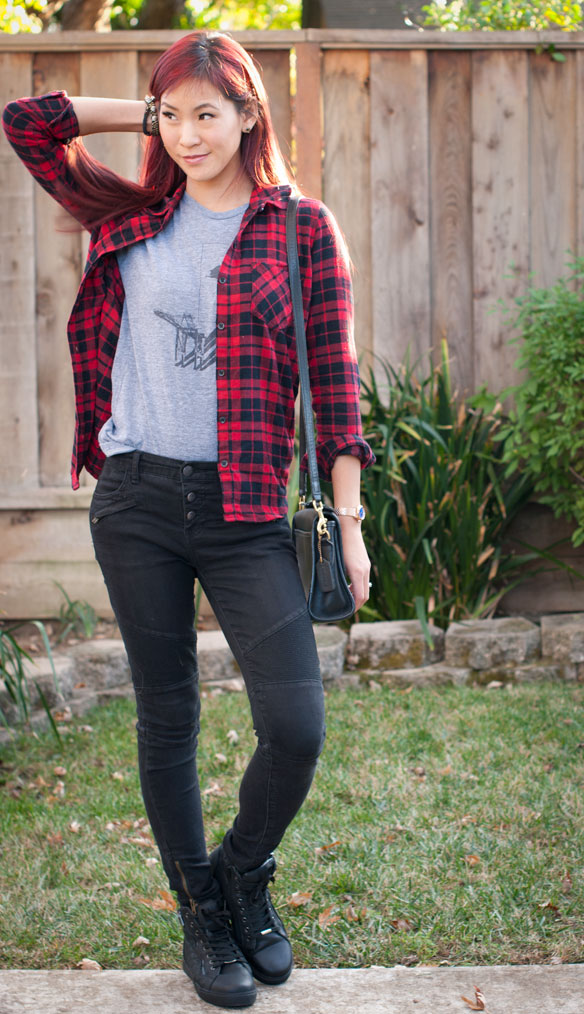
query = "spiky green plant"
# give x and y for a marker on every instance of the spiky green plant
(438, 504)
(14, 678)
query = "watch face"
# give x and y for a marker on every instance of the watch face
(361, 512)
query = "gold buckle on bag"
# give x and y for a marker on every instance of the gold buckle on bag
(321, 526)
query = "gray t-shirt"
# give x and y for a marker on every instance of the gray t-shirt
(164, 393)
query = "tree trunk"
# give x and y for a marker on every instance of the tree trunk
(159, 13)
(89, 15)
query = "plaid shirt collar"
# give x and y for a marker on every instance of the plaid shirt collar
(113, 235)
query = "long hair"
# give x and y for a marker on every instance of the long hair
(199, 56)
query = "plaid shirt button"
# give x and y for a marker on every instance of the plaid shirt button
(221, 373)
(224, 463)
(220, 325)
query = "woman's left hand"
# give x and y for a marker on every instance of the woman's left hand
(357, 562)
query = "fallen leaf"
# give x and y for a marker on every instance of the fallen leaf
(75, 826)
(566, 883)
(445, 771)
(142, 842)
(405, 925)
(233, 737)
(479, 1001)
(86, 728)
(299, 898)
(351, 915)
(141, 942)
(467, 819)
(55, 839)
(141, 959)
(374, 685)
(471, 860)
(164, 902)
(326, 918)
(548, 904)
(152, 861)
(66, 715)
(88, 965)
(59, 790)
(118, 776)
(59, 771)
(321, 850)
(221, 758)
(214, 789)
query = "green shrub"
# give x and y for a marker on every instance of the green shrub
(437, 501)
(544, 435)
(502, 15)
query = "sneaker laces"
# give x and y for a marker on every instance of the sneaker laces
(260, 912)
(218, 937)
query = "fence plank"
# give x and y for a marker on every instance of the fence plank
(39, 548)
(18, 382)
(500, 205)
(275, 70)
(400, 196)
(347, 183)
(146, 61)
(58, 270)
(552, 159)
(113, 75)
(308, 119)
(451, 212)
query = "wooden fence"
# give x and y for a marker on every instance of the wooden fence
(454, 164)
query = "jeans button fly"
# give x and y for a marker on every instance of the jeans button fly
(187, 470)
(190, 515)
(190, 497)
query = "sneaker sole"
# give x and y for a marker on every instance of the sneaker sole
(270, 980)
(243, 999)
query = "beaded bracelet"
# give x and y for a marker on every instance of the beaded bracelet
(152, 112)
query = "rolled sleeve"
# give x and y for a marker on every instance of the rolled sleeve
(39, 130)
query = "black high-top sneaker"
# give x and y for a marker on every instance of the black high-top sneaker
(257, 927)
(211, 957)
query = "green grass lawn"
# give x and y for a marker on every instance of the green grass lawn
(443, 825)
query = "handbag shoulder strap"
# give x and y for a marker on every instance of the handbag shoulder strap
(307, 437)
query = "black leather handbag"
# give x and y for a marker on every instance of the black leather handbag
(315, 529)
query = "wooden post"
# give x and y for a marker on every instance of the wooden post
(308, 119)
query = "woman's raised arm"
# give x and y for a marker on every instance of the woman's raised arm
(97, 116)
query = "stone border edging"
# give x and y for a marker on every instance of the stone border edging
(395, 653)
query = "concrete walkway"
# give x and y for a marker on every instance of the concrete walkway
(518, 989)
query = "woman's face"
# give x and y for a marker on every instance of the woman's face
(201, 130)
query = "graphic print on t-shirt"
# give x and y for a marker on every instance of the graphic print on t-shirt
(192, 346)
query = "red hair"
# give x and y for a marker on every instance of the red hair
(199, 56)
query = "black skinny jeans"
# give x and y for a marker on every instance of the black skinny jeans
(156, 525)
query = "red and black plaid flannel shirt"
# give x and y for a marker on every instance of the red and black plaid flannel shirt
(256, 368)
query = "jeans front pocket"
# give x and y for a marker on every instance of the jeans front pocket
(112, 478)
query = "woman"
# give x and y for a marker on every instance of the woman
(184, 360)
